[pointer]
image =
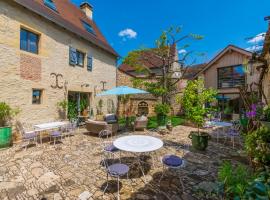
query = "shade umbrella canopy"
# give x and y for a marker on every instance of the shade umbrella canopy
(222, 98)
(122, 90)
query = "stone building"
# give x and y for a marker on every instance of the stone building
(52, 51)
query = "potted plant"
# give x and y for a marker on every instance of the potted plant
(6, 114)
(162, 110)
(193, 101)
(62, 106)
(83, 107)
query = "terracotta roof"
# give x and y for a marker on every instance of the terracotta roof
(191, 71)
(220, 54)
(149, 59)
(70, 17)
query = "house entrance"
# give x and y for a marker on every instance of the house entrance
(79, 105)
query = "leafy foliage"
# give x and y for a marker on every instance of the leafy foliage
(266, 112)
(72, 110)
(257, 144)
(6, 113)
(235, 180)
(63, 105)
(164, 83)
(259, 188)
(162, 109)
(153, 123)
(194, 99)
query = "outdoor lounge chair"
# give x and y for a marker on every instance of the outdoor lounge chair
(95, 127)
(140, 124)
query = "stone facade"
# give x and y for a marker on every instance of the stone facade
(22, 71)
(135, 100)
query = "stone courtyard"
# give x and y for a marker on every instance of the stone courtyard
(72, 170)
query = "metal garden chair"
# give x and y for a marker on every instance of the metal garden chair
(116, 170)
(172, 162)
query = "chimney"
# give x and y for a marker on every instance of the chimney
(87, 8)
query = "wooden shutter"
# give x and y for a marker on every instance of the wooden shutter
(72, 56)
(89, 62)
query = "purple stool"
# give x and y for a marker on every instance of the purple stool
(115, 171)
(172, 162)
(55, 135)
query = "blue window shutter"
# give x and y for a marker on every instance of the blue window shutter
(89, 62)
(72, 56)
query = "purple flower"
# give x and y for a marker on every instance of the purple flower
(251, 114)
(253, 107)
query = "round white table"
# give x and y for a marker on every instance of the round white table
(138, 144)
(222, 125)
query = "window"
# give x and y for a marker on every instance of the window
(50, 4)
(29, 41)
(88, 27)
(89, 62)
(36, 96)
(76, 57)
(80, 58)
(230, 77)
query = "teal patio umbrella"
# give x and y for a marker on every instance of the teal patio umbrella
(122, 90)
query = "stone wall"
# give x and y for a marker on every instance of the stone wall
(22, 71)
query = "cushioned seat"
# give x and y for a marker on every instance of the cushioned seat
(118, 169)
(111, 148)
(56, 134)
(29, 135)
(172, 161)
(233, 132)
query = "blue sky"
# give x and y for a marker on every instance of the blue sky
(220, 22)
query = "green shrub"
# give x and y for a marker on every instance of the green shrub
(6, 113)
(259, 188)
(235, 180)
(266, 113)
(257, 145)
(162, 109)
(195, 97)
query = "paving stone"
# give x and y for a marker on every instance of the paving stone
(85, 195)
(72, 170)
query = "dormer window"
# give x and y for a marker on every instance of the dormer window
(88, 27)
(50, 4)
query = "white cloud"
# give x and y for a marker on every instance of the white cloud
(182, 51)
(258, 38)
(127, 33)
(254, 48)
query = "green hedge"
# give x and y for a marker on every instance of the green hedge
(152, 121)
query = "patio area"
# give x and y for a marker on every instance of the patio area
(72, 170)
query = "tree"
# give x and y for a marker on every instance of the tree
(164, 58)
(194, 101)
